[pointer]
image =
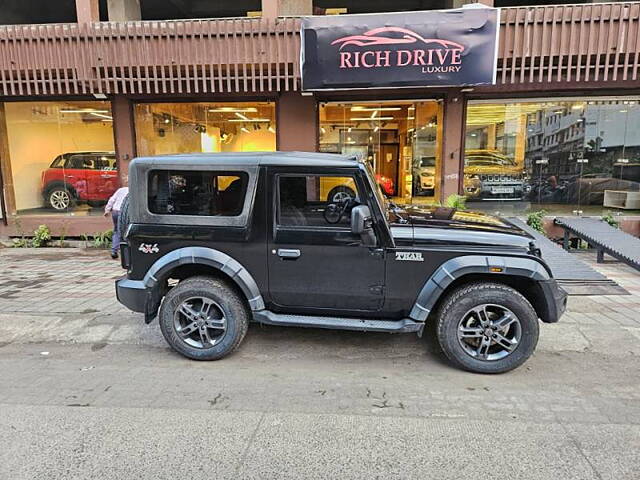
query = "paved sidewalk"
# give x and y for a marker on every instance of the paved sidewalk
(68, 295)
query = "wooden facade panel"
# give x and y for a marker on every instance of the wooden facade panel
(186, 56)
(538, 45)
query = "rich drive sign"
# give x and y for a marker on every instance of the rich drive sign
(414, 49)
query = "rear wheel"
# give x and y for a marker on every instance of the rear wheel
(487, 328)
(60, 198)
(203, 318)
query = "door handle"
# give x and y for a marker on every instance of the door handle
(288, 253)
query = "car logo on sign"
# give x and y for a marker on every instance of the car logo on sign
(409, 256)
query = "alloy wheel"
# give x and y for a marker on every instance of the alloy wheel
(489, 332)
(200, 322)
(60, 199)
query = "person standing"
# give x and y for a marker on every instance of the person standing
(114, 205)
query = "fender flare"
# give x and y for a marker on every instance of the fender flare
(455, 268)
(213, 258)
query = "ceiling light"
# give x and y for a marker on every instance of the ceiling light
(271, 129)
(349, 129)
(411, 118)
(233, 110)
(101, 115)
(239, 115)
(246, 130)
(375, 109)
(249, 120)
(376, 129)
(82, 110)
(375, 112)
(362, 119)
(323, 130)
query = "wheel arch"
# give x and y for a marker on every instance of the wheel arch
(185, 262)
(522, 274)
(59, 183)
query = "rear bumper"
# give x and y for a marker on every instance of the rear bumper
(132, 294)
(556, 300)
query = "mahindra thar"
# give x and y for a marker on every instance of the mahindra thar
(212, 242)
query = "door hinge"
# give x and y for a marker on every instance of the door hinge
(376, 289)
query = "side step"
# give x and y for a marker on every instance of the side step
(406, 325)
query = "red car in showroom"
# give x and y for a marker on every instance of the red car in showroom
(90, 177)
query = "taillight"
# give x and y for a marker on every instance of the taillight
(125, 255)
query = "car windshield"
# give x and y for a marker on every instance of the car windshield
(371, 176)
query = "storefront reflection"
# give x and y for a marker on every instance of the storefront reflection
(561, 155)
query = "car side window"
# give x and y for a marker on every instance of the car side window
(82, 162)
(203, 193)
(316, 200)
(105, 162)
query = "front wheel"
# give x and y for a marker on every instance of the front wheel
(203, 318)
(487, 328)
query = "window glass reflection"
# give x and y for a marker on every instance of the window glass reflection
(62, 157)
(165, 128)
(562, 155)
(400, 140)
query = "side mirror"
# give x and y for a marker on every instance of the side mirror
(361, 224)
(360, 215)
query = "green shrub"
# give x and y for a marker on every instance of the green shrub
(102, 239)
(456, 201)
(41, 237)
(534, 220)
(609, 218)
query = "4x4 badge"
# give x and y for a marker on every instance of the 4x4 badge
(409, 256)
(148, 248)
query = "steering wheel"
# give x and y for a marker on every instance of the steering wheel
(334, 212)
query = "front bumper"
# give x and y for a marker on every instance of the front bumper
(132, 294)
(555, 299)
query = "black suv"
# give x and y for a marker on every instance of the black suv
(214, 241)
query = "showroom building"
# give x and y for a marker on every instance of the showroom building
(517, 108)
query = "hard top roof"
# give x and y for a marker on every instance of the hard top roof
(251, 159)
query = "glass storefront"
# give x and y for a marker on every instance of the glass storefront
(205, 127)
(61, 156)
(561, 155)
(401, 140)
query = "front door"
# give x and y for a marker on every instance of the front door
(314, 259)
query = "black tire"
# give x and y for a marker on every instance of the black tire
(338, 194)
(123, 218)
(456, 310)
(226, 299)
(60, 198)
